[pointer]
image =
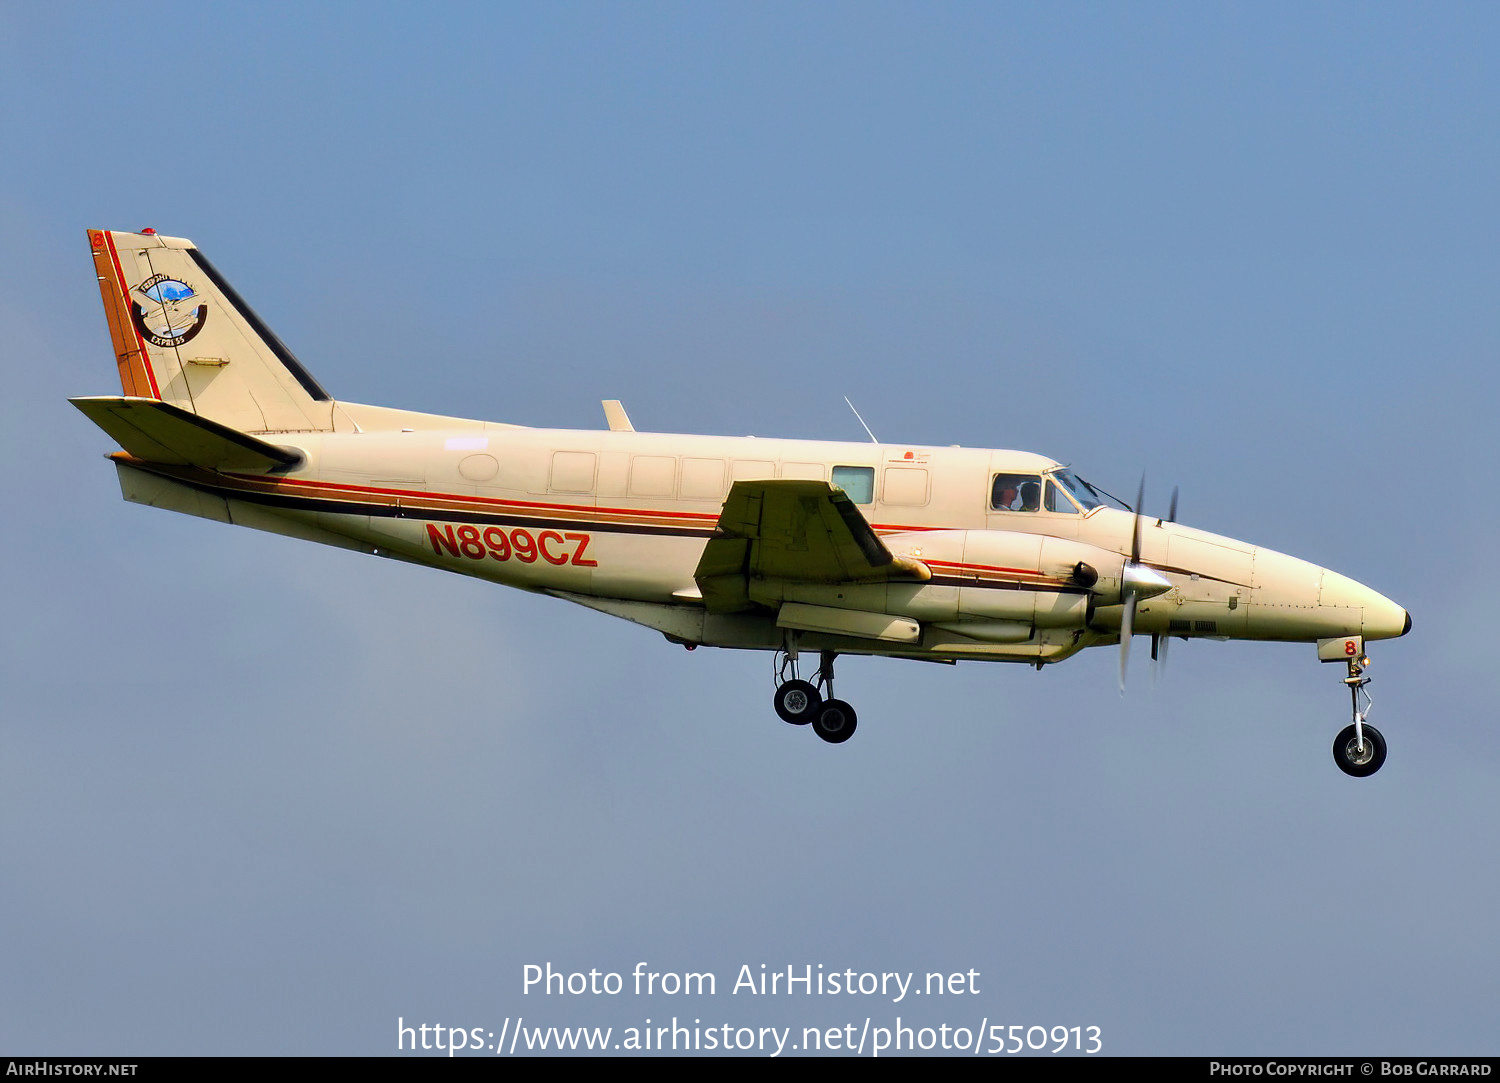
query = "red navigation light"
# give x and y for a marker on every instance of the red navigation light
(149, 232)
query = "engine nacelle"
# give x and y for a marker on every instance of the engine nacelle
(980, 576)
(1026, 561)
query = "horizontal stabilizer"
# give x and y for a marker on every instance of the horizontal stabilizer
(159, 432)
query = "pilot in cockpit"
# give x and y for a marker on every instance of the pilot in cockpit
(1016, 492)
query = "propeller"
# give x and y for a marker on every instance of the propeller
(1137, 581)
(1128, 593)
(1159, 642)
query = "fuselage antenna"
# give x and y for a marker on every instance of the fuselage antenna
(861, 421)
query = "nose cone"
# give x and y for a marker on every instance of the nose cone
(1381, 618)
(1295, 600)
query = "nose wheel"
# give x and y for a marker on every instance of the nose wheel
(1359, 749)
(802, 702)
(1359, 754)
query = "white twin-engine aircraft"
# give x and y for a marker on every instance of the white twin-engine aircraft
(792, 546)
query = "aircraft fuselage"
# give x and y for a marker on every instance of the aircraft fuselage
(618, 521)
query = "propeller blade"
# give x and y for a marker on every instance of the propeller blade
(1129, 594)
(1172, 512)
(1135, 535)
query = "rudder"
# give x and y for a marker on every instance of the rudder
(184, 336)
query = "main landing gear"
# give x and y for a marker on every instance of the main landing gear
(1359, 749)
(801, 702)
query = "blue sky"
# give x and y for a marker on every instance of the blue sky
(258, 796)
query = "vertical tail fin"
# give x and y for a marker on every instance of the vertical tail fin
(183, 335)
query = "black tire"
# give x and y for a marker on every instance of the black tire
(797, 702)
(1352, 761)
(836, 722)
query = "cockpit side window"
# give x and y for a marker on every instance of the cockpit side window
(1016, 492)
(1058, 501)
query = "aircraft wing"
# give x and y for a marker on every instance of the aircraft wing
(807, 531)
(162, 433)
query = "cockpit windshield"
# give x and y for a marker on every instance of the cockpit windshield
(1058, 491)
(1087, 496)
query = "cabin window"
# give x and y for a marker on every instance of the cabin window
(653, 475)
(906, 486)
(702, 479)
(478, 467)
(857, 481)
(573, 471)
(1016, 492)
(806, 471)
(752, 470)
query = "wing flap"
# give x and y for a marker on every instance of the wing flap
(848, 622)
(797, 530)
(159, 432)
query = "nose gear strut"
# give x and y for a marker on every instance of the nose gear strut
(1359, 749)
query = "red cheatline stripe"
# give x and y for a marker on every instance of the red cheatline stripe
(582, 511)
(427, 494)
(431, 501)
(581, 514)
(260, 481)
(982, 567)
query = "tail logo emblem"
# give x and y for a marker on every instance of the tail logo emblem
(167, 311)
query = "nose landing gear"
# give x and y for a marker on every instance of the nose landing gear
(800, 702)
(1359, 749)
